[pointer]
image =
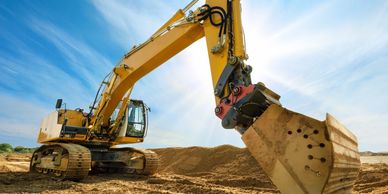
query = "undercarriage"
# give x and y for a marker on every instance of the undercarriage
(66, 161)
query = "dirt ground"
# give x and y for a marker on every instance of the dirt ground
(223, 169)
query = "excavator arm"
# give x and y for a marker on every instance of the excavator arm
(300, 154)
(222, 28)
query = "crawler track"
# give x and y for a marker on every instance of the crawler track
(73, 162)
(62, 161)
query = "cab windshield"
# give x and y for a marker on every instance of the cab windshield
(136, 120)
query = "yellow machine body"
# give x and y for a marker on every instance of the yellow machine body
(300, 154)
(69, 126)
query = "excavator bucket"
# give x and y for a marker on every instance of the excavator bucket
(303, 155)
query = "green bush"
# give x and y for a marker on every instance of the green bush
(21, 149)
(5, 148)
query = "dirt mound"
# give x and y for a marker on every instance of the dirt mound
(224, 165)
(225, 159)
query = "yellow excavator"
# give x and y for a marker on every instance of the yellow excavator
(300, 154)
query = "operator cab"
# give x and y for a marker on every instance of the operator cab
(135, 121)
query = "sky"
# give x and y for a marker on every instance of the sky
(320, 56)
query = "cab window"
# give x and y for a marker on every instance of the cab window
(136, 121)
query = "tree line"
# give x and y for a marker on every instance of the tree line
(7, 148)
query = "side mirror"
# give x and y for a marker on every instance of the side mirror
(59, 104)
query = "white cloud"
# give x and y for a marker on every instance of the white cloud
(79, 56)
(41, 79)
(132, 20)
(21, 118)
(318, 67)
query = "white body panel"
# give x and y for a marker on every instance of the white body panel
(49, 128)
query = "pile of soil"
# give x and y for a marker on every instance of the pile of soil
(224, 165)
(224, 159)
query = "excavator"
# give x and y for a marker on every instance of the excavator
(299, 154)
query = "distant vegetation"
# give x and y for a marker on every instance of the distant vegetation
(7, 148)
(4, 147)
(369, 153)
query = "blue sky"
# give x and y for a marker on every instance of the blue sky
(328, 56)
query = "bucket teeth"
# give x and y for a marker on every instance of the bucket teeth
(303, 155)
